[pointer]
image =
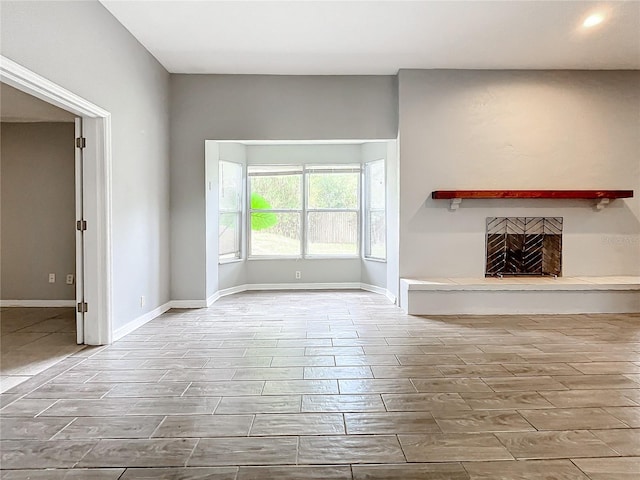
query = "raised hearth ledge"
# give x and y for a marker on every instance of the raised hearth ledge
(525, 283)
(520, 295)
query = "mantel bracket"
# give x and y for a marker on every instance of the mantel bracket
(455, 204)
(602, 202)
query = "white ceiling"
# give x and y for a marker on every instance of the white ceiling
(17, 106)
(379, 37)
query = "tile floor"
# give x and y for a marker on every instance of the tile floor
(32, 340)
(333, 386)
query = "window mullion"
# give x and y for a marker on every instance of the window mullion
(304, 219)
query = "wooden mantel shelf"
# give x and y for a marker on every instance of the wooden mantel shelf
(602, 196)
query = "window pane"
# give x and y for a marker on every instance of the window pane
(275, 233)
(230, 186)
(332, 233)
(376, 233)
(278, 192)
(376, 187)
(229, 235)
(333, 190)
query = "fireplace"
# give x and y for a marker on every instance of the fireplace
(530, 246)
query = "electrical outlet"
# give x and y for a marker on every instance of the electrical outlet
(141, 301)
(70, 279)
(298, 274)
(52, 278)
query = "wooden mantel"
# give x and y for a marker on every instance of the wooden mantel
(603, 196)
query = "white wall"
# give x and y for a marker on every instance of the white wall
(38, 210)
(256, 107)
(518, 130)
(80, 46)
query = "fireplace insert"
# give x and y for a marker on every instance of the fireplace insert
(527, 246)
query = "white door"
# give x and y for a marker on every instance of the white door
(80, 227)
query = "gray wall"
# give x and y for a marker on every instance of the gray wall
(374, 272)
(80, 46)
(230, 107)
(393, 219)
(234, 273)
(37, 210)
(518, 130)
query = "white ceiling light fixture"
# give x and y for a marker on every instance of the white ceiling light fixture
(593, 20)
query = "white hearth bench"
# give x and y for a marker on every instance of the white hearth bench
(520, 295)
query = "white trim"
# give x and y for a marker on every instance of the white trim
(30, 82)
(392, 298)
(379, 290)
(303, 286)
(79, 234)
(374, 259)
(140, 321)
(97, 185)
(188, 303)
(38, 303)
(230, 291)
(373, 288)
(213, 298)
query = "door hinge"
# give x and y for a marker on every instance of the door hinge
(83, 307)
(81, 142)
(81, 225)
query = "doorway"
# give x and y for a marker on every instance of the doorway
(96, 194)
(40, 272)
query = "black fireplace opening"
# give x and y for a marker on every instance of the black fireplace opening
(525, 246)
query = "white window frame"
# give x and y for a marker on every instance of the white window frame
(304, 171)
(235, 256)
(329, 169)
(367, 211)
(279, 170)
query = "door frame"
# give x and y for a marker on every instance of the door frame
(96, 123)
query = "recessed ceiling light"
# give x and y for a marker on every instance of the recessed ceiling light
(593, 20)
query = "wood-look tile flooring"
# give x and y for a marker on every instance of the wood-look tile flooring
(335, 386)
(32, 340)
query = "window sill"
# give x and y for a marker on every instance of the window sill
(373, 259)
(309, 257)
(332, 257)
(275, 257)
(231, 260)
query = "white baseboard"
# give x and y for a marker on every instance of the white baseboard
(379, 290)
(230, 291)
(37, 303)
(141, 320)
(392, 298)
(188, 303)
(212, 299)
